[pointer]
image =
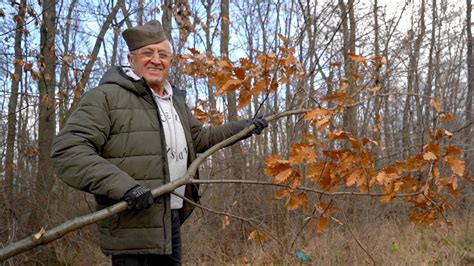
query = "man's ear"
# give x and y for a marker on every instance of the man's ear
(129, 58)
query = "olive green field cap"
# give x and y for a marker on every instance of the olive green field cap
(150, 33)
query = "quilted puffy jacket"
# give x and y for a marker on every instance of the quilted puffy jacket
(112, 142)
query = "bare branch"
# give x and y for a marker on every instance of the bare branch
(359, 243)
(247, 220)
(306, 189)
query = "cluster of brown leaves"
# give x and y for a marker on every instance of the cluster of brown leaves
(249, 79)
(27, 67)
(417, 179)
(426, 181)
(207, 115)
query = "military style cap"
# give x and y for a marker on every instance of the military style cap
(143, 35)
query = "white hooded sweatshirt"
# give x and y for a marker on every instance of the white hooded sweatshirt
(176, 147)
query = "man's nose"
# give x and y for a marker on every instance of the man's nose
(156, 59)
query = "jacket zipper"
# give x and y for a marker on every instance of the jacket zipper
(165, 160)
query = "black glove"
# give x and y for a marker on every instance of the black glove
(138, 198)
(260, 124)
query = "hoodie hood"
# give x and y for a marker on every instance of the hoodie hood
(124, 77)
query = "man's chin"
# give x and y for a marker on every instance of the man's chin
(154, 80)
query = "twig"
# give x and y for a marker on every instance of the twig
(358, 242)
(306, 222)
(247, 220)
(266, 183)
(308, 219)
(389, 94)
(466, 234)
(439, 208)
(467, 125)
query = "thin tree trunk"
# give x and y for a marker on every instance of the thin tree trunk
(182, 15)
(46, 124)
(231, 97)
(140, 9)
(377, 82)
(113, 59)
(263, 20)
(470, 78)
(210, 92)
(431, 68)
(274, 127)
(62, 84)
(166, 18)
(408, 117)
(349, 31)
(25, 162)
(12, 119)
(236, 150)
(47, 115)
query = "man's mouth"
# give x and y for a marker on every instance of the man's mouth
(154, 69)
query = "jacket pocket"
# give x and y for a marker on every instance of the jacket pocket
(147, 218)
(108, 223)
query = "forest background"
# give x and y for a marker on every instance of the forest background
(395, 77)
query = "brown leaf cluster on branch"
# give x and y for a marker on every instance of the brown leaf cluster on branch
(429, 177)
(207, 115)
(249, 79)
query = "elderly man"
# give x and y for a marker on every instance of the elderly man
(132, 133)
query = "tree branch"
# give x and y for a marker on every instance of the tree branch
(346, 224)
(266, 183)
(44, 237)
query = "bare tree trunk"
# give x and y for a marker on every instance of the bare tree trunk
(231, 97)
(350, 67)
(274, 127)
(12, 120)
(113, 59)
(470, 68)
(25, 162)
(140, 9)
(47, 114)
(288, 93)
(166, 18)
(431, 68)
(236, 161)
(408, 117)
(263, 20)
(224, 51)
(208, 6)
(182, 15)
(377, 82)
(62, 84)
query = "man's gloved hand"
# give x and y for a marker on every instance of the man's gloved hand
(138, 198)
(260, 124)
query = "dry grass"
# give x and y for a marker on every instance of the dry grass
(388, 241)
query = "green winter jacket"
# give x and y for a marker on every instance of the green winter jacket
(112, 142)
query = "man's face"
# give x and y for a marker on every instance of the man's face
(153, 63)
